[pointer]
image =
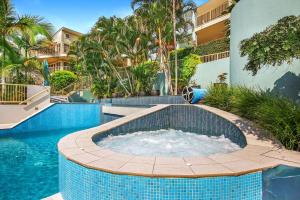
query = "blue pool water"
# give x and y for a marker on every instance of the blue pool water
(281, 183)
(29, 164)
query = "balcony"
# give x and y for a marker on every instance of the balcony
(214, 57)
(213, 16)
(59, 68)
(45, 53)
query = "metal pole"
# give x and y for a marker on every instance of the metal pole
(175, 46)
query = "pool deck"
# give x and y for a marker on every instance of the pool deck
(12, 125)
(260, 153)
(121, 110)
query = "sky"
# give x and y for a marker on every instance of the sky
(79, 15)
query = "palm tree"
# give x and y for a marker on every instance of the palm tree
(157, 14)
(25, 26)
(24, 71)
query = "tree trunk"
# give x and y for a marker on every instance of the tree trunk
(162, 65)
(3, 60)
(175, 46)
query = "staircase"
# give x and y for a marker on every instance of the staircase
(62, 96)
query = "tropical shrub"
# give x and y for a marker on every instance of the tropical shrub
(278, 115)
(212, 47)
(181, 53)
(275, 45)
(187, 69)
(220, 97)
(144, 76)
(61, 79)
(216, 46)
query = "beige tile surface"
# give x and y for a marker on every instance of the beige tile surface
(140, 168)
(223, 158)
(102, 153)
(169, 161)
(284, 155)
(109, 165)
(165, 170)
(211, 169)
(238, 166)
(143, 160)
(199, 160)
(85, 158)
(118, 156)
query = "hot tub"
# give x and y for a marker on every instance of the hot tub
(104, 172)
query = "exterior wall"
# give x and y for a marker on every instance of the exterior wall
(207, 73)
(253, 16)
(61, 116)
(79, 183)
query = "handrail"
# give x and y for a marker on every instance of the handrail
(32, 97)
(12, 84)
(81, 84)
(12, 93)
(215, 56)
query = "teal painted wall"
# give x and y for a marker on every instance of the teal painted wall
(207, 73)
(253, 16)
(160, 84)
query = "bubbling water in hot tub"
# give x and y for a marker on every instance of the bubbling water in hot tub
(168, 142)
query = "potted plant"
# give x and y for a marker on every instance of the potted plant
(221, 80)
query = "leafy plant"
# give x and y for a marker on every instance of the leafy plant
(275, 45)
(144, 76)
(220, 97)
(187, 69)
(216, 46)
(61, 79)
(212, 47)
(278, 115)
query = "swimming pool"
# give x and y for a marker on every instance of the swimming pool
(28, 152)
(29, 164)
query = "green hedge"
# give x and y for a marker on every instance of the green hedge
(278, 115)
(212, 47)
(216, 46)
(61, 79)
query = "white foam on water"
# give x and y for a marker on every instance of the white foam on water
(168, 143)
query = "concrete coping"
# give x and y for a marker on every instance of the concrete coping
(260, 153)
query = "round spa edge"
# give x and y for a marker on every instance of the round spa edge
(81, 149)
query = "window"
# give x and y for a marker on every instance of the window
(67, 36)
(66, 48)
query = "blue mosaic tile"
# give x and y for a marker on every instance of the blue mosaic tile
(185, 118)
(60, 116)
(80, 183)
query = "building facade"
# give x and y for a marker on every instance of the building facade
(247, 18)
(57, 53)
(211, 21)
